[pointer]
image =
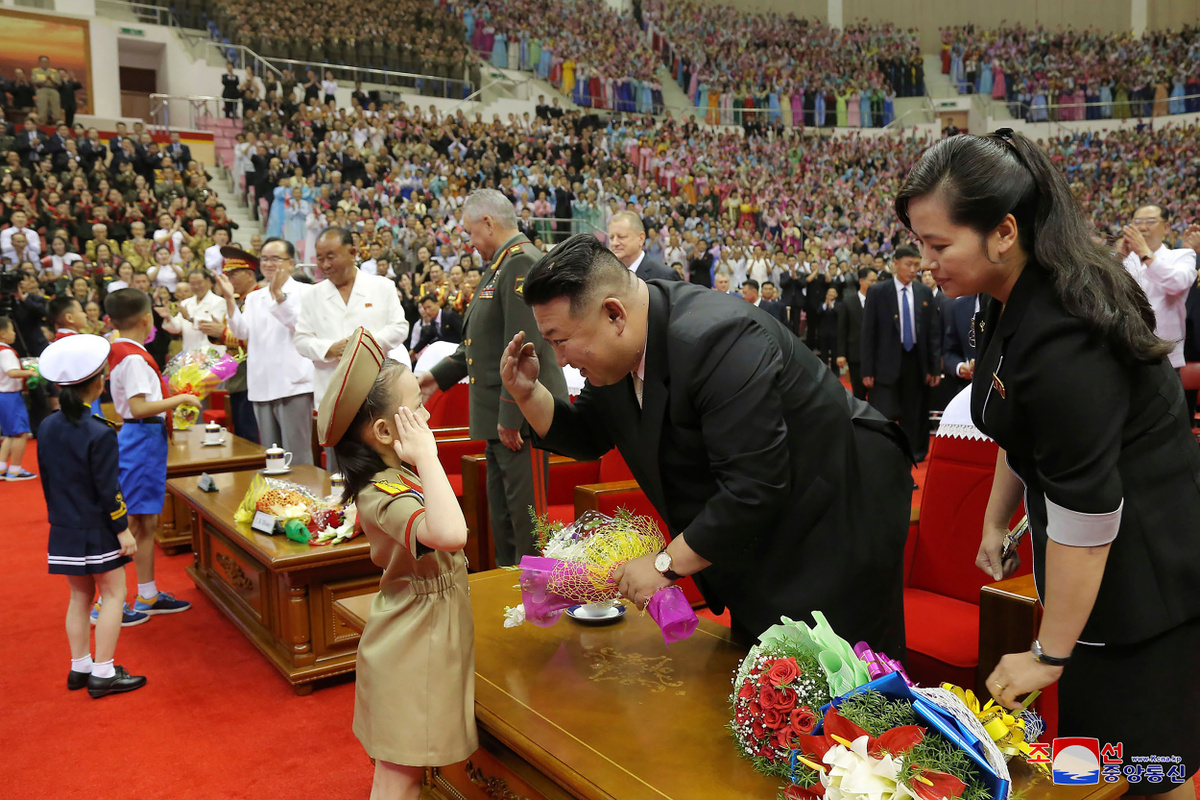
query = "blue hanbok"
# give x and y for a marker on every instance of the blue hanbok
(500, 51)
(864, 105)
(1177, 104)
(985, 80)
(1106, 101)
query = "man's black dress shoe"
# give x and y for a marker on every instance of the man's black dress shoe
(77, 680)
(121, 682)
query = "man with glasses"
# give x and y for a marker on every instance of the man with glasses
(1165, 275)
(279, 381)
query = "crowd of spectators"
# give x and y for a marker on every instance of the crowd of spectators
(585, 49)
(83, 215)
(410, 36)
(790, 69)
(1070, 74)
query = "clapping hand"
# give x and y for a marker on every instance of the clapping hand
(1133, 241)
(224, 286)
(1191, 237)
(211, 327)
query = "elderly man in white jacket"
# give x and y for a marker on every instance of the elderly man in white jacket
(1165, 275)
(334, 308)
(279, 381)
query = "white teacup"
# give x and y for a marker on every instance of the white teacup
(278, 459)
(214, 433)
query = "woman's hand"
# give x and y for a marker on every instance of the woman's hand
(1017, 675)
(414, 441)
(990, 546)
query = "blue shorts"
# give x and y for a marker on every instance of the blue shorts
(14, 419)
(143, 463)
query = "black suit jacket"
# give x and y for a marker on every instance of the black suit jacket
(850, 328)
(450, 330)
(28, 151)
(958, 349)
(181, 157)
(652, 268)
(1088, 433)
(751, 448)
(881, 338)
(775, 308)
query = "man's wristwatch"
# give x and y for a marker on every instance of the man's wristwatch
(1041, 657)
(662, 563)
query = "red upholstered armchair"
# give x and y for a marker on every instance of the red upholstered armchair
(449, 411)
(942, 588)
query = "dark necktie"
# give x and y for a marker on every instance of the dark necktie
(906, 327)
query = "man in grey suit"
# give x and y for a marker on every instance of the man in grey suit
(626, 235)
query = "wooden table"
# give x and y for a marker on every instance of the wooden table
(573, 711)
(279, 593)
(188, 456)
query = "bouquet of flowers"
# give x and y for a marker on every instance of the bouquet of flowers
(324, 520)
(197, 371)
(845, 723)
(577, 566)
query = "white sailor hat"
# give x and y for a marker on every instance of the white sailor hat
(73, 359)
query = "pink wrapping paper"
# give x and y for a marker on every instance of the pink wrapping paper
(879, 664)
(540, 577)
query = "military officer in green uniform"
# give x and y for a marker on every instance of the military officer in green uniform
(516, 473)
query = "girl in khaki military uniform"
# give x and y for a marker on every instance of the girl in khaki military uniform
(414, 704)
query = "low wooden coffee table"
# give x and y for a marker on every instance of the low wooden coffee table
(279, 593)
(189, 456)
(604, 713)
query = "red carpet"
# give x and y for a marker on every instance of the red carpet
(214, 721)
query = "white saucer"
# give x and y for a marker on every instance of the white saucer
(283, 471)
(596, 613)
(214, 444)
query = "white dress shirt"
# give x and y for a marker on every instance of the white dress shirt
(33, 244)
(274, 368)
(209, 308)
(325, 318)
(9, 360)
(637, 262)
(1166, 280)
(759, 269)
(214, 262)
(133, 376)
(912, 308)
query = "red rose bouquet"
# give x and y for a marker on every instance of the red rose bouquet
(777, 696)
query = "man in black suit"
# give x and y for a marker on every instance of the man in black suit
(958, 360)
(751, 295)
(849, 334)
(178, 152)
(827, 328)
(443, 325)
(92, 149)
(56, 147)
(901, 348)
(727, 423)
(31, 144)
(626, 235)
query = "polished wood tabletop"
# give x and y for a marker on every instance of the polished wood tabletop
(279, 552)
(188, 455)
(610, 712)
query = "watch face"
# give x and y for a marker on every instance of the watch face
(662, 562)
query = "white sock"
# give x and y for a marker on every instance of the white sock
(103, 669)
(82, 664)
(3, 466)
(148, 590)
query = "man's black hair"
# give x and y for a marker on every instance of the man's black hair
(291, 248)
(864, 272)
(905, 251)
(60, 306)
(751, 283)
(574, 270)
(125, 306)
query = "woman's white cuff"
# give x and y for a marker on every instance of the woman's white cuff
(1077, 529)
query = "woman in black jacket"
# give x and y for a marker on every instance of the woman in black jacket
(1075, 387)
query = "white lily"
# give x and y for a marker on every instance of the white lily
(853, 774)
(514, 615)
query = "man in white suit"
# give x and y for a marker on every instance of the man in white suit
(333, 309)
(279, 381)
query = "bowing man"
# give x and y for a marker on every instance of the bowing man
(746, 444)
